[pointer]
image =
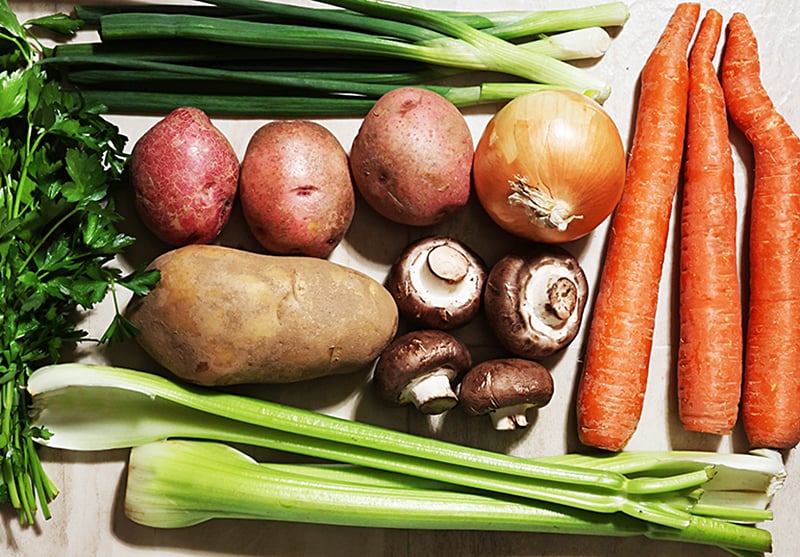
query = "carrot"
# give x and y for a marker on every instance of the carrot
(771, 387)
(709, 371)
(614, 376)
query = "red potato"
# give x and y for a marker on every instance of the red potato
(295, 188)
(412, 157)
(184, 174)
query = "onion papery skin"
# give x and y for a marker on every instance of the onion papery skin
(565, 146)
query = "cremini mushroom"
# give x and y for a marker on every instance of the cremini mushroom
(437, 283)
(505, 389)
(421, 367)
(534, 300)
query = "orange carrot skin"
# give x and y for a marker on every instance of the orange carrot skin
(709, 370)
(614, 377)
(771, 388)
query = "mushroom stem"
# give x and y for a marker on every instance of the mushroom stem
(448, 264)
(431, 393)
(510, 417)
(550, 297)
(562, 297)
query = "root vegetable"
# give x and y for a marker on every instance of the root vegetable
(617, 362)
(222, 316)
(295, 188)
(412, 157)
(771, 391)
(184, 174)
(709, 370)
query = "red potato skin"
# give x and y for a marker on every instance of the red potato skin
(412, 157)
(184, 175)
(295, 188)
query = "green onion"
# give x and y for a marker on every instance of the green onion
(496, 54)
(149, 102)
(483, 52)
(186, 79)
(508, 24)
(516, 25)
(208, 42)
(131, 408)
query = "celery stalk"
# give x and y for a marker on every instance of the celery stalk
(741, 490)
(177, 483)
(132, 408)
(56, 389)
(174, 484)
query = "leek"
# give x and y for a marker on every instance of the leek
(131, 409)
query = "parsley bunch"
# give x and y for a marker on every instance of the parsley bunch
(59, 162)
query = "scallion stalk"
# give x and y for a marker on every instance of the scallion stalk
(309, 81)
(468, 48)
(507, 24)
(451, 52)
(235, 35)
(148, 102)
(497, 54)
(515, 25)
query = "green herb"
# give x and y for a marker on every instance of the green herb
(685, 496)
(58, 233)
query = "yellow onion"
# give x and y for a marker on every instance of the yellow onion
(550, 166)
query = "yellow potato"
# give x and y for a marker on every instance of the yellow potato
(221, 316)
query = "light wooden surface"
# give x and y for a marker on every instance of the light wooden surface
(87, 515)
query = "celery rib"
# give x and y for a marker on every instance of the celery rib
(234, 419)
(158, 496)
(132, 408)
(176, 483)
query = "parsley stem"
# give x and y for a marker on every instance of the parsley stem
(45, 185)
(47, 235)
(22, 183)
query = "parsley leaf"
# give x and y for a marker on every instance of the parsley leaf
(59, 161)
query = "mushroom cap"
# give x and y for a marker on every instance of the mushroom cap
(415, 355)
(534, 300)
(437, 283)
(505, 382)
